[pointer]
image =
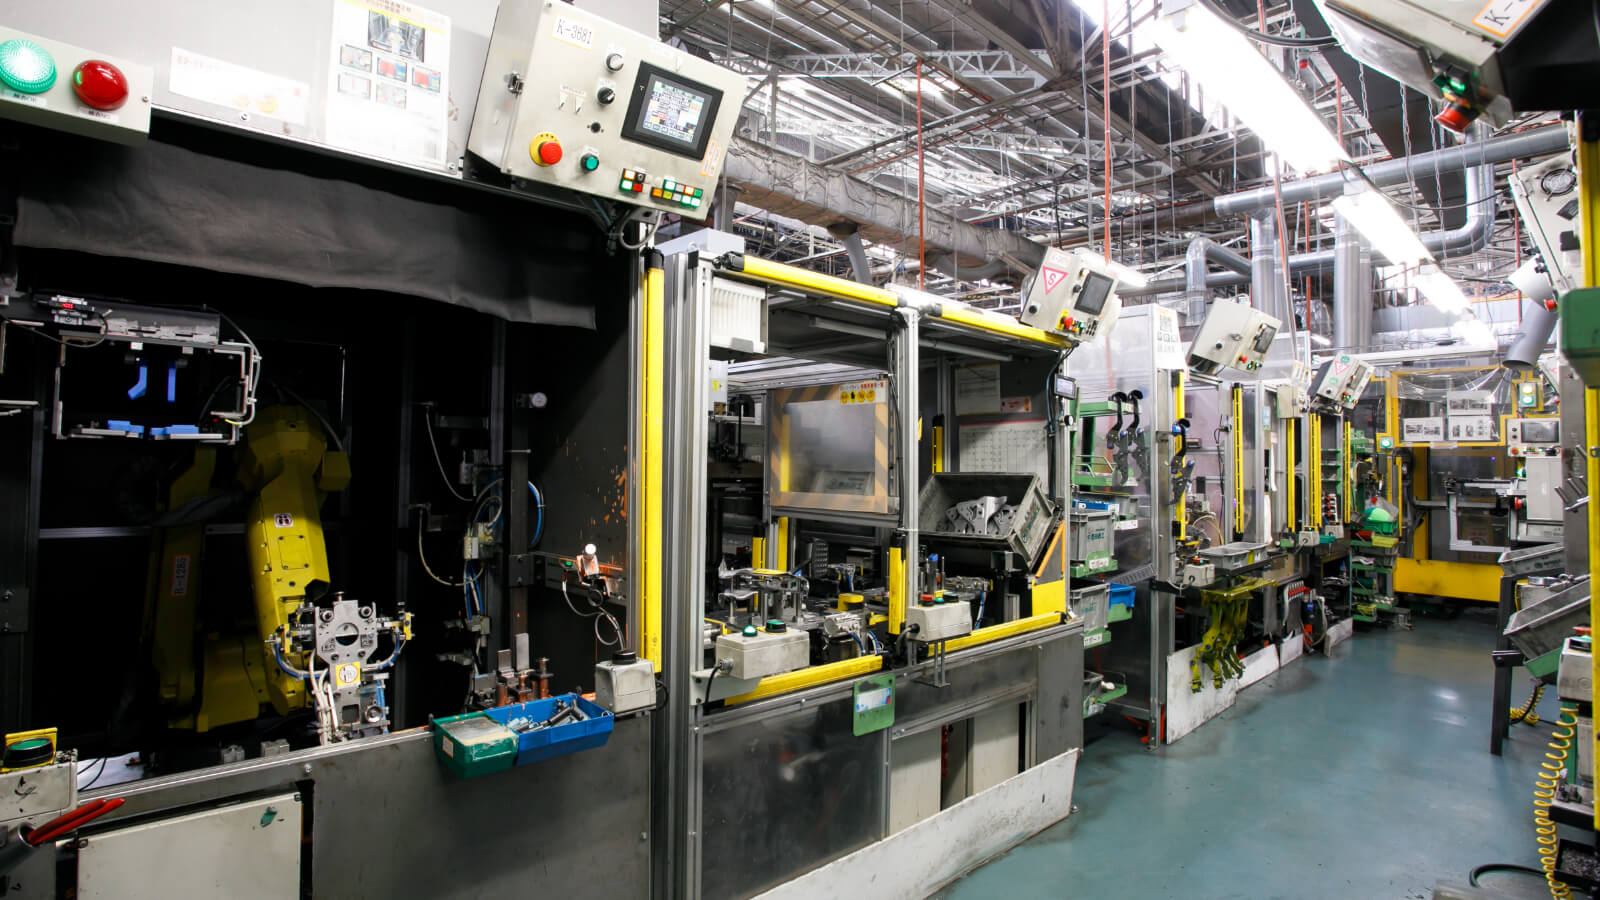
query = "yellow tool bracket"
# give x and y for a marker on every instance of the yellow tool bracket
(1229, 611)
(1238, 459)
(763, 270)
(652, 462)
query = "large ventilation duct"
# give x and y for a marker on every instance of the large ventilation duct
(1538, 320)
(1352, 288)
(1473, 235)
(1269, 291)
(1538, 142)
(1201, 251)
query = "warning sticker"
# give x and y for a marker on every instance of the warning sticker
(1052, 277)
(283, 520)
(180, 575)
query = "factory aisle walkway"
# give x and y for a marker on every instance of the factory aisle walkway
(1365, 774)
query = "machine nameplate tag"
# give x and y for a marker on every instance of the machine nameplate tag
(575, 33)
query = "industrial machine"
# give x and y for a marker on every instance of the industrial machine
(56, 85)
(1339, 382)
(1073, 294)
(1234, 335)
(1488, 59)
(571, 100)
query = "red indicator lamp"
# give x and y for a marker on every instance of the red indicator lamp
(100, 85)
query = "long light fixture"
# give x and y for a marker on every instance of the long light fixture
(1383, 227)
(1226, 64)
(1392, 236)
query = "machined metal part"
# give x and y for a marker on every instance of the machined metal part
(348, 686)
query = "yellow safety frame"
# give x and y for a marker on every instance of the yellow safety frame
(651, 463)
(1238, 459)
(769, 272)
(1588, 233)
(773, 685)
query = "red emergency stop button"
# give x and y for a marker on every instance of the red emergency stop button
(99, 84)
(545, 149)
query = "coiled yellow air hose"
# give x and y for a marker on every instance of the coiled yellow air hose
(1525, 713)
(1552, 771)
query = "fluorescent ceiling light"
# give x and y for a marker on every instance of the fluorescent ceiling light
(1227, 65)
(1383, 227)
(1321, 340)
(1440, 289)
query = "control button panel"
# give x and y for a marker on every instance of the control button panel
(56, 85)
(573, 100)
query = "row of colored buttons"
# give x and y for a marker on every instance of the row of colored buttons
(682, 199)
(679, 187)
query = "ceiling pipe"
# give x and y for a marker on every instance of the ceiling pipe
(1538, 319)
(850, 236)
(1202, 250)
(1352, 287)
(1537, 142)
(1474, 233)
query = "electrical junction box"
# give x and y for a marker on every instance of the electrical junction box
(764, 653)
(56, 85)
(1073, 295)
(1290, 401)
(38, 794)
(1334, 378)
(1356, 384)
(939, 621)
(1546, 196)
(575, 101)
(1574, 675)
(1579, 329)
(624, 686)
(1529, 437)
(1440, 49)
(1197, 575)
(1234, 334)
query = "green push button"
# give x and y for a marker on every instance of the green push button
(26, 67)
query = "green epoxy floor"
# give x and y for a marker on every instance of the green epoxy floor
(1366, 774)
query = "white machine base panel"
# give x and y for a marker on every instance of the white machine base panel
(243, 851)
(1187, 710)
(1259, 665)
(1340, 632)
(921, 859)
(1292, 648)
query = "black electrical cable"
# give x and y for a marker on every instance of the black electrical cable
(1264, 38)
(1500, 867)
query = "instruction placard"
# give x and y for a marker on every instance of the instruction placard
(1170, 350)
(1471, 428)
(249, 91)
(388, 81)
(977, 390)
(1424, 430)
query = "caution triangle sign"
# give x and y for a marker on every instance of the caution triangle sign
(1052, 277)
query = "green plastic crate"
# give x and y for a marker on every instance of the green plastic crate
(474, 744)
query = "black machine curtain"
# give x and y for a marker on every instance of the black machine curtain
(244, 206)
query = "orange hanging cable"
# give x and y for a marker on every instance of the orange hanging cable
(922, 215)
(1105, 91)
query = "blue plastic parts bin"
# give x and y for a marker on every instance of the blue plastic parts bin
(1121, 595)
(558, 740)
